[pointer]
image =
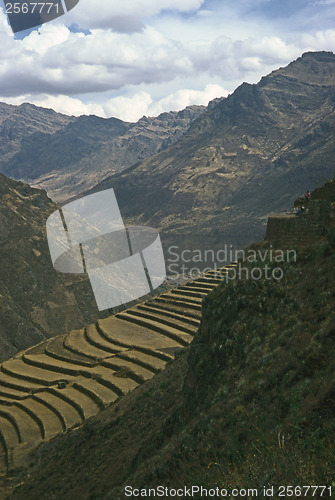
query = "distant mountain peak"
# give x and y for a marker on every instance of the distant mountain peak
(312, 68)
(321, 54)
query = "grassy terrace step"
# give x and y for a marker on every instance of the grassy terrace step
(141, 356)
(12, 426)
(83, 404)
(101, 374)
(12, 394)
(220, 272)
(37, 349)
(86, 346)
(28, 429)
(136, 337)
(207, 287)
(216, 277)
(188, 292)
(210, 280)
(180, 308)
(62, 394)
(191, 287)
(64, 409)
(80, 342)
(86, 405)
(178, 337)
(175, 294)
(158, 317)
(55, 349)
(20, 370)
(48, 422)
(151, 363)
(9, 440)
(101, 394)
(23, 386)
(58, 369)
(93, 336)
(76, 342)
(159, 309)
(111, 379)
(128, 369)
(179, 300)
(3, 455)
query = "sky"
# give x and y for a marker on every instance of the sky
(142, 57)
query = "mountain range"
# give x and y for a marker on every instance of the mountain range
(234, 162)
(67, 155)
(247, 156)
(204, 176)
(250, 401)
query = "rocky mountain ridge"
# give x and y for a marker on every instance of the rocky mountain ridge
(68, 155)
(245, 157)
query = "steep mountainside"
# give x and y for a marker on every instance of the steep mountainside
(250, 154)
(248, 405)
(36, 302)
(70, 159)
(92, 367)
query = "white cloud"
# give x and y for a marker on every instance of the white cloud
(130, 108)
(187, 97)
(134, 107)
(268, 48)
(75, 64)
(160, 60)
(52, 36)
(324, 40)
(60, 103)
(124, 16)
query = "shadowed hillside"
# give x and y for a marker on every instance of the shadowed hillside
(36, 302)
(60, 383)
(249, 404)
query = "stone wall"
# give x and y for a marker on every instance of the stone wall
(290, 231)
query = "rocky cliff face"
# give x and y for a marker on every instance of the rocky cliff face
(18, 123)
(67, 155)
(246, 156)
